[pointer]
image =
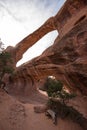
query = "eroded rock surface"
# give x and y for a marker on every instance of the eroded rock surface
(18, 116)
(66, 59)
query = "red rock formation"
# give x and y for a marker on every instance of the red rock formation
(66, 59)
(18, 51)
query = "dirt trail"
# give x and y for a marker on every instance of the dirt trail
(15, 115)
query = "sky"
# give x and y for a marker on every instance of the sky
(19, 18)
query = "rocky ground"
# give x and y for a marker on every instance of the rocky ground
(16, 115)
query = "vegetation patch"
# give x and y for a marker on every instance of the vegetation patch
(5, 64)
(57, 102)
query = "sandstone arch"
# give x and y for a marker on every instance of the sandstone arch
(63, 58)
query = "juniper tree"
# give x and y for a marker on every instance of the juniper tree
(5, 64)
(56, 90)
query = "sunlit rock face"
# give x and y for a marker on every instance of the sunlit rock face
(66, 59)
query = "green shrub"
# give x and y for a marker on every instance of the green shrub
(53, 86)
(55, 89)
(5, 64)
(64, 111)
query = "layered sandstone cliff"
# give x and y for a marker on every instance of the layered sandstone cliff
(66, 59)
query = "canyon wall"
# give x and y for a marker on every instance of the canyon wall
(66, 59)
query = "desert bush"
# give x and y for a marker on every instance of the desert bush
(5, 64)
(55, 89)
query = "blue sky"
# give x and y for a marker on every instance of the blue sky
(19, 18)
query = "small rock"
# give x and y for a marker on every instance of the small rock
(40, 108)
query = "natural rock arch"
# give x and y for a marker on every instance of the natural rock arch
(63, 58)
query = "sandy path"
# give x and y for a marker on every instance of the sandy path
(41, 122)
(15, 115)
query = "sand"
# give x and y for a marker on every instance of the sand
(16, 115)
